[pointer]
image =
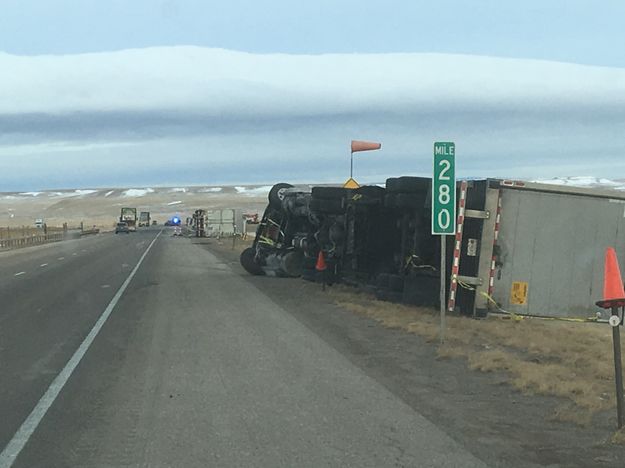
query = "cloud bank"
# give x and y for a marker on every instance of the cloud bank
(182, 115)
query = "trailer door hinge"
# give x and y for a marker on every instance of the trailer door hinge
(472, 280)
(477, 214)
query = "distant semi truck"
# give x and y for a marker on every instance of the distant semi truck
(144, 219)
(129, 216)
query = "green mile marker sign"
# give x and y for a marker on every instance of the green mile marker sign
(444, 189)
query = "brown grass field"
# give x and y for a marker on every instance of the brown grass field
(569, 360)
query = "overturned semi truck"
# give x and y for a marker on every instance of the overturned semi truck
(520, 247)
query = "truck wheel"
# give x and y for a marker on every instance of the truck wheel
(276, 195)
(329, 193)
(389, 296)
(389, 200)
(309, 274)
(248, 262)
(409, 200)
(292, 264)
(371, 191)
(382, 281)
(326, 206)
(407, 184)
(396, 283)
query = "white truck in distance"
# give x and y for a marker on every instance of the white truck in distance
(129, 216)
(144, 219)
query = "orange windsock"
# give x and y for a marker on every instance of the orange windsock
(365, 146)
(321, 262)
(613, 293)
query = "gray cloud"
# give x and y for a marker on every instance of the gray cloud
(192, 115)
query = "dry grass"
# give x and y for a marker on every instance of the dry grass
(239, 244)
(619, 437)
(25, 231)
(572, 361)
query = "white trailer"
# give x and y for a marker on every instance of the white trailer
(531, 248)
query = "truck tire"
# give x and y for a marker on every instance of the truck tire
(326, 206)
(382, 281)
(329, 193)
(292, 264)
(389, 200)
(396, 283)
(382, 294)
(409, 201)
(309, 274)
(276, 195)
(248, 262)
(407, 184)
(404, 201)
(371, 191)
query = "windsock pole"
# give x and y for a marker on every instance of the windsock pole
(351, 165)
(358, 145)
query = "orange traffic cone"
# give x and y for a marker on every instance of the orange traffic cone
(321, 262)
(613, 293)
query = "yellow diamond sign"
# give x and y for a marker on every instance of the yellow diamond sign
(351, 184)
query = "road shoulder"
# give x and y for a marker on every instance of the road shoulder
(497, 423)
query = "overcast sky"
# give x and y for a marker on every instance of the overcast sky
(77, 109)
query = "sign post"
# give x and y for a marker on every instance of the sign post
(444, 208)
(615, 321)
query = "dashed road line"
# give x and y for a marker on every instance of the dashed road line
(61, 258)
(43, 265)
(23, 434)
(20, 273)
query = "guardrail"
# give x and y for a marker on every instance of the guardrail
(7, 244)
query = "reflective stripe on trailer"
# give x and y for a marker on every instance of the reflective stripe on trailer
(491, 278)
(453, 287)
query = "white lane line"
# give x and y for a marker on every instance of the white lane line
(23, 434)
(61, 258)
(43, 265)
(20, 273)
(74, 253)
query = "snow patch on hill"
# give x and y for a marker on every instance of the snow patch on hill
(137, 192)
(584, 181)
(253, 191)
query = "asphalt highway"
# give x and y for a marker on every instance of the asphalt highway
(147, 350)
